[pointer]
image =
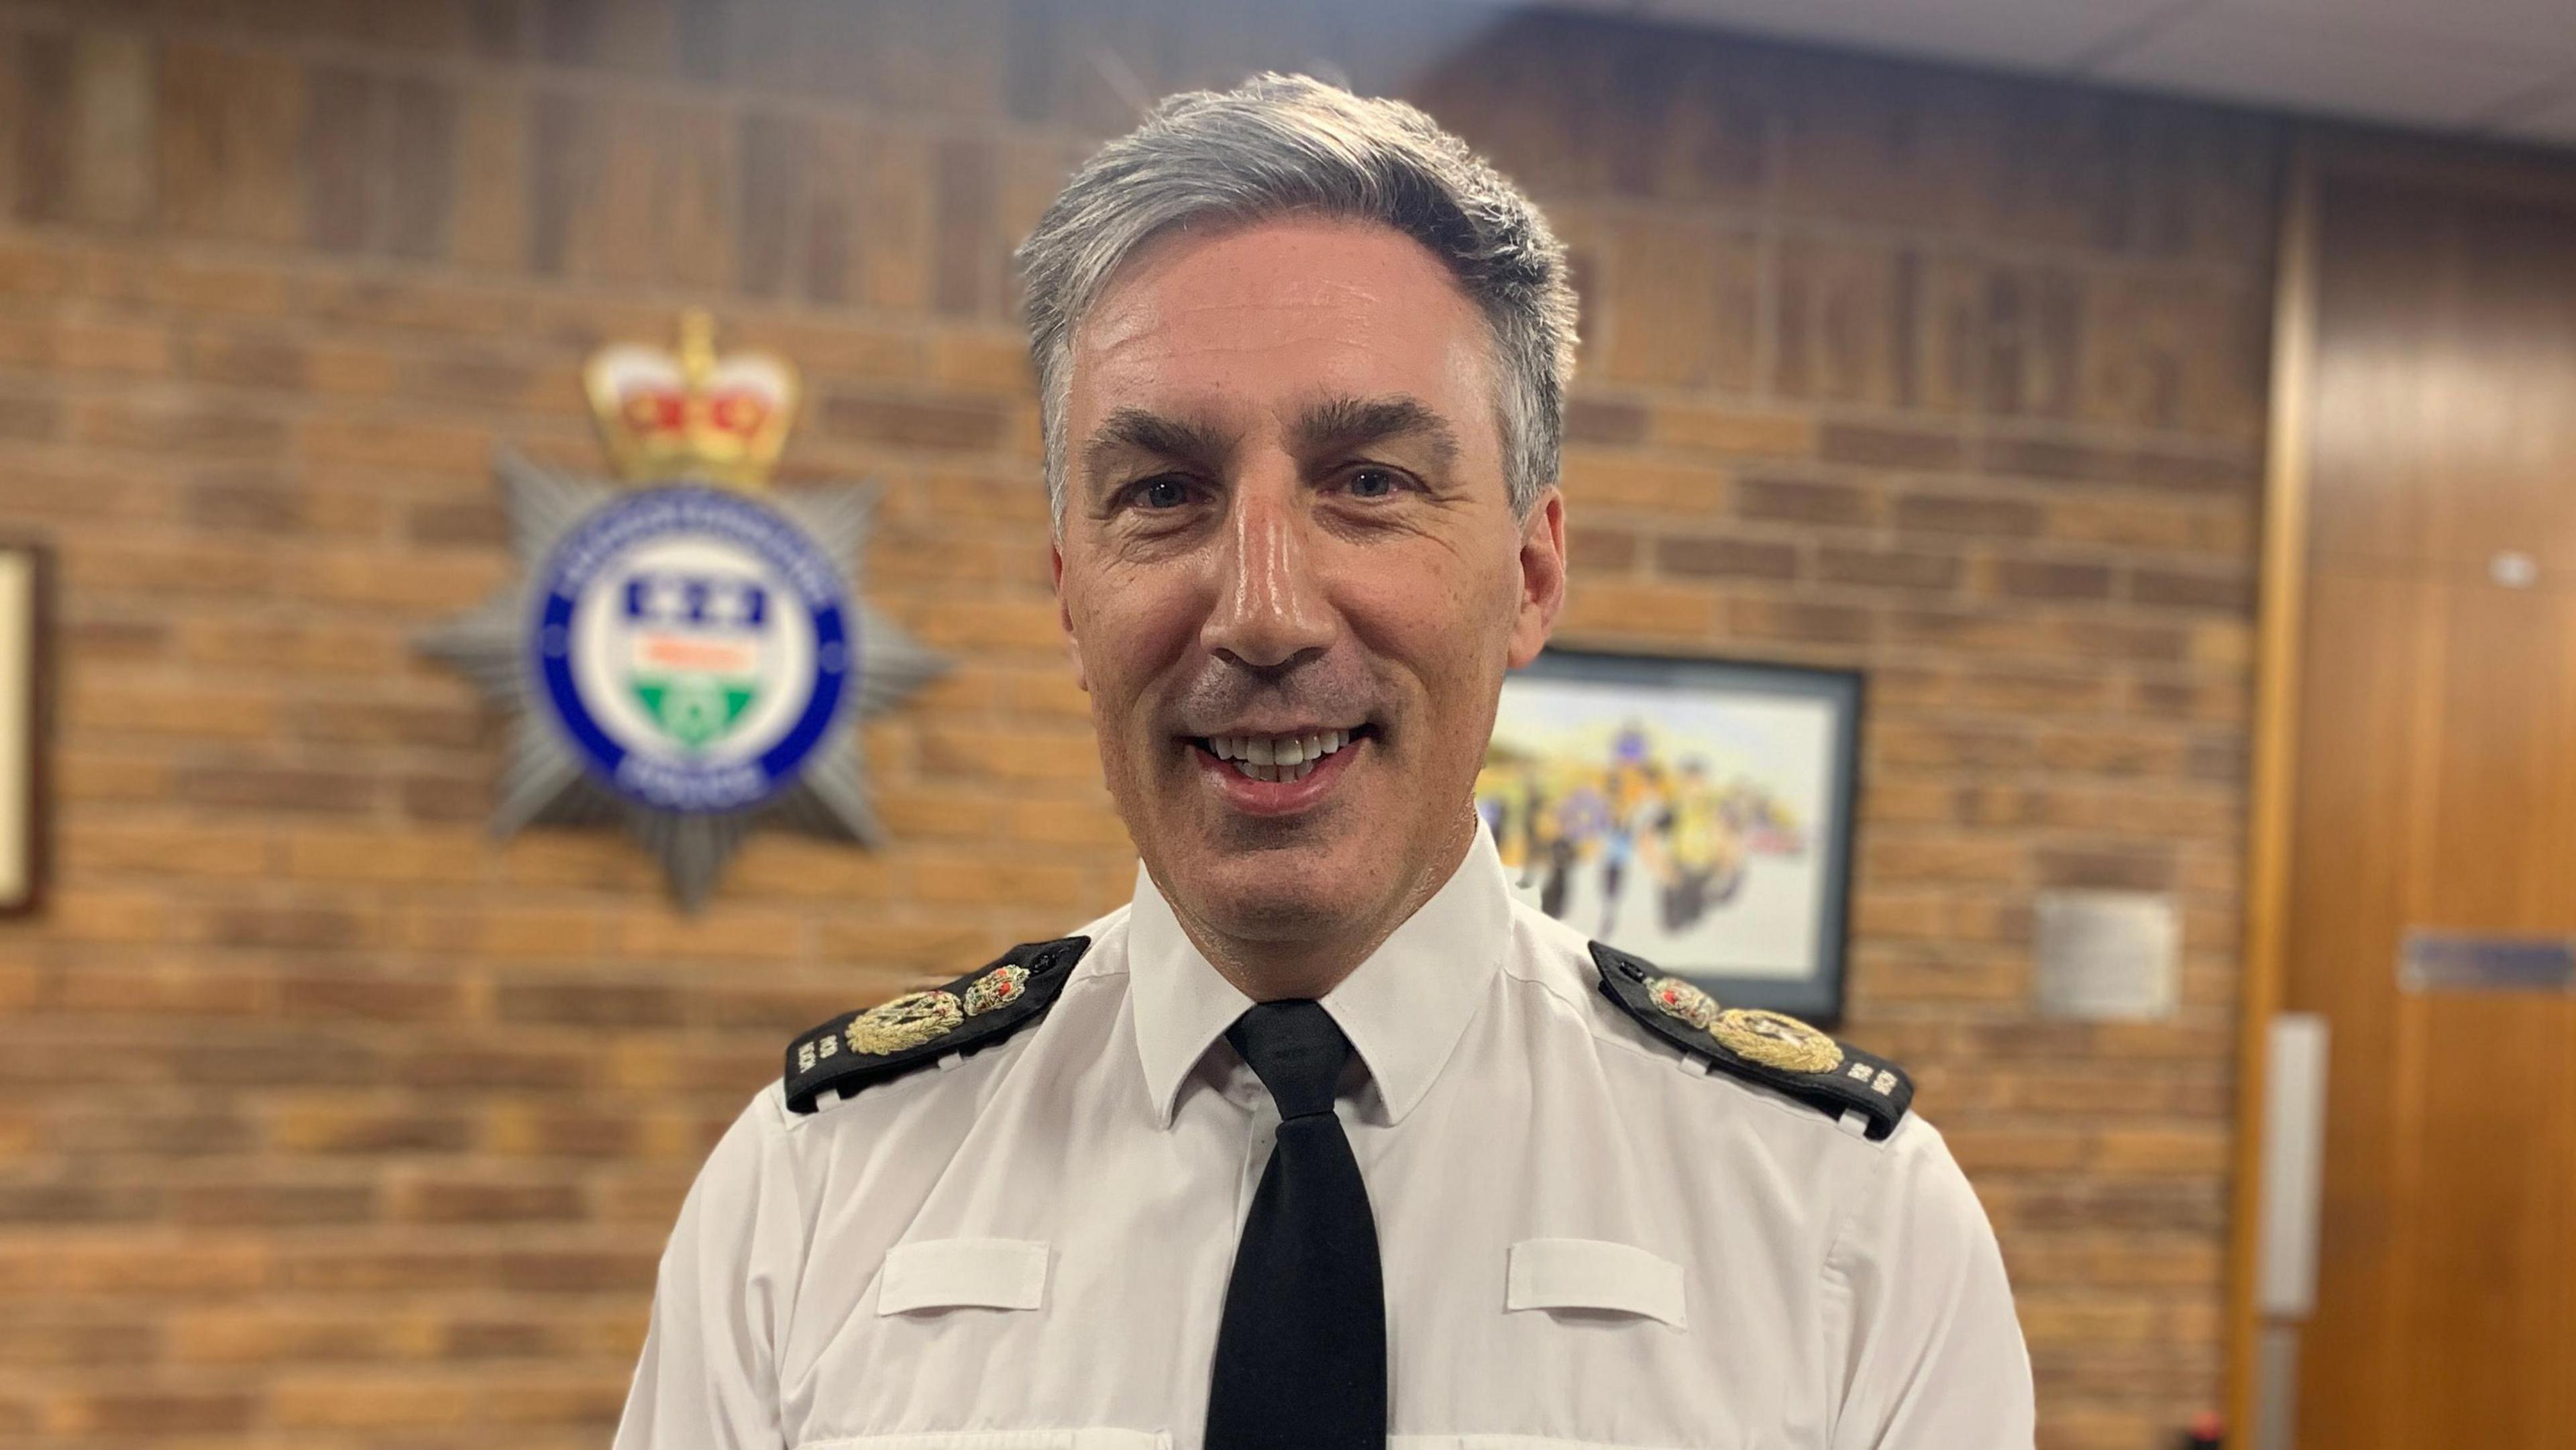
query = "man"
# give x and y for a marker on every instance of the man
(1322, 1140)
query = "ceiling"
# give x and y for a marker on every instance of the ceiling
(2479, 67)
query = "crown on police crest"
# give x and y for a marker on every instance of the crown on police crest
(693, 413)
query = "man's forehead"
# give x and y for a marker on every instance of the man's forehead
(1257, 326)
(1273, 281)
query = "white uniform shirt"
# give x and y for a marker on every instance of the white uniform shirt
(1588, 1240)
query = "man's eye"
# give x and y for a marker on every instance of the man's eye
(1162, 493)
(1375, 483)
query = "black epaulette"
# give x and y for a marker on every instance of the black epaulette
(981, 1008)
(1771, 1048)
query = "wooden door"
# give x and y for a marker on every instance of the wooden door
(2436, 788)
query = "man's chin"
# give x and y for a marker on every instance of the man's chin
(1284, 894)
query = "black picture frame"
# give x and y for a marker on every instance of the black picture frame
(1800, 972)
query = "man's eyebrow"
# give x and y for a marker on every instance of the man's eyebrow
(1340, 423)
(1134, 430)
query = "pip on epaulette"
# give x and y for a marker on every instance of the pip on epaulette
(1771, 1048)
(917, 1029)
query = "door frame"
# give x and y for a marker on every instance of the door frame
(2272, 791)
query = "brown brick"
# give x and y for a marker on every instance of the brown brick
(1872, 446)
(86, 1339)
(1775, 498)
(1788, 619)
(304, 927)
(59, 1203)
(2225, 592)
(273, 787)
(110, 347)
(1624, 481)
(1915, 746)
(275, 1203)
(456, 1200)
(913, 422)
(1728, 431)
(590, 1004)
(1726, 557)
(31, 420)
(1602, 420)
(1605, 549)
(201, 432)
(1951, 513)
(154, 1412)
(1641, 609)
(249, 502)
(335, 1127)
(2039, 691)
(376, 998)
(388, 722)
(2123, 867)
(1890, 568)
(579, 1271)
(2051, 579)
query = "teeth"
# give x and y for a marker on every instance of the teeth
(1277, 757)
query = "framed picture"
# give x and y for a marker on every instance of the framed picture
(1695, 812)
(26, 580)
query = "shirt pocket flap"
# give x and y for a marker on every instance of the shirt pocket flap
(963, 1274)
(1594, 1275)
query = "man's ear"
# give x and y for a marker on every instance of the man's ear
(1542, 561)
(1064, 614)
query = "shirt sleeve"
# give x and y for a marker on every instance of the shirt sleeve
(1930, 1349)
(708, 1379)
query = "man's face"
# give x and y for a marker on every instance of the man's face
(1286, 538)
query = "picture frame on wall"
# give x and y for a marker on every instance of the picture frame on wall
(26, 584)
(1696, 812)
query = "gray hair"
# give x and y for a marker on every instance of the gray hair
(1281, 145)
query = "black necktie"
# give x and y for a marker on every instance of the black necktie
(1301, 1353)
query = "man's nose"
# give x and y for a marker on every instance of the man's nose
(1269, 611)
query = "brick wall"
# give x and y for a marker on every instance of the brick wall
(326, 1121)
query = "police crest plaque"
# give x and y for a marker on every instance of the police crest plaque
(687, 654)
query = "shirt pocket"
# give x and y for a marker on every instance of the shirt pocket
(1592, 1277)
(1001, 1440)
(966, 1274)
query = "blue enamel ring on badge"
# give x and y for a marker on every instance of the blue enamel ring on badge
(693, 646)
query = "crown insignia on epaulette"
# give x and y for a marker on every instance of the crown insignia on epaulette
(982, 1008)
(1768, 1047)
(692, 413)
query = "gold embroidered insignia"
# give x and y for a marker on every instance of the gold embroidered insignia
(1676, 998)
(908, 1021)
(1776, 1040)
(996, 988)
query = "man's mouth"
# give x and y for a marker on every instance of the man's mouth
(1281, 757)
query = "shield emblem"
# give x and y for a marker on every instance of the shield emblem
(695, 650)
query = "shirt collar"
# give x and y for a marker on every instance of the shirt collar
(1403, 1009)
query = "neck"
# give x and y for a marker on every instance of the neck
(1308, 965)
